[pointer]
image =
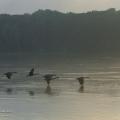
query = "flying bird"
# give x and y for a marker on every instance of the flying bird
(49, 77)
(81, 80)
(31, 73)
(9, 74)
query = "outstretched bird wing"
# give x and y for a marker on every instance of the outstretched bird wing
(31, 73)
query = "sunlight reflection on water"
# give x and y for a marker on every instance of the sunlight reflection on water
(64, 99)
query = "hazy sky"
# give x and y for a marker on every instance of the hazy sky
(29, 6)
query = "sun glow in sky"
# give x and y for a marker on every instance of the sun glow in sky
(29, 6)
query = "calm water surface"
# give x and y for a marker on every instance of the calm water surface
(64, 99)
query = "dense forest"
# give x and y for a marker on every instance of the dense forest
(55, 32)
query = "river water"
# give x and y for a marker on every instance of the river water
(64, 99)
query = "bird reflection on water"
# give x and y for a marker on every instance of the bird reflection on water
(81, 89)
(48, 90)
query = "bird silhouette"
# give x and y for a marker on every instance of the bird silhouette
(49, 77)
(9, 74)
(81, 80)
(31, 73)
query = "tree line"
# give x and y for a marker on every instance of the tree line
(56, 32)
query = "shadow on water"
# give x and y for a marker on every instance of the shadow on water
(81, 89)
